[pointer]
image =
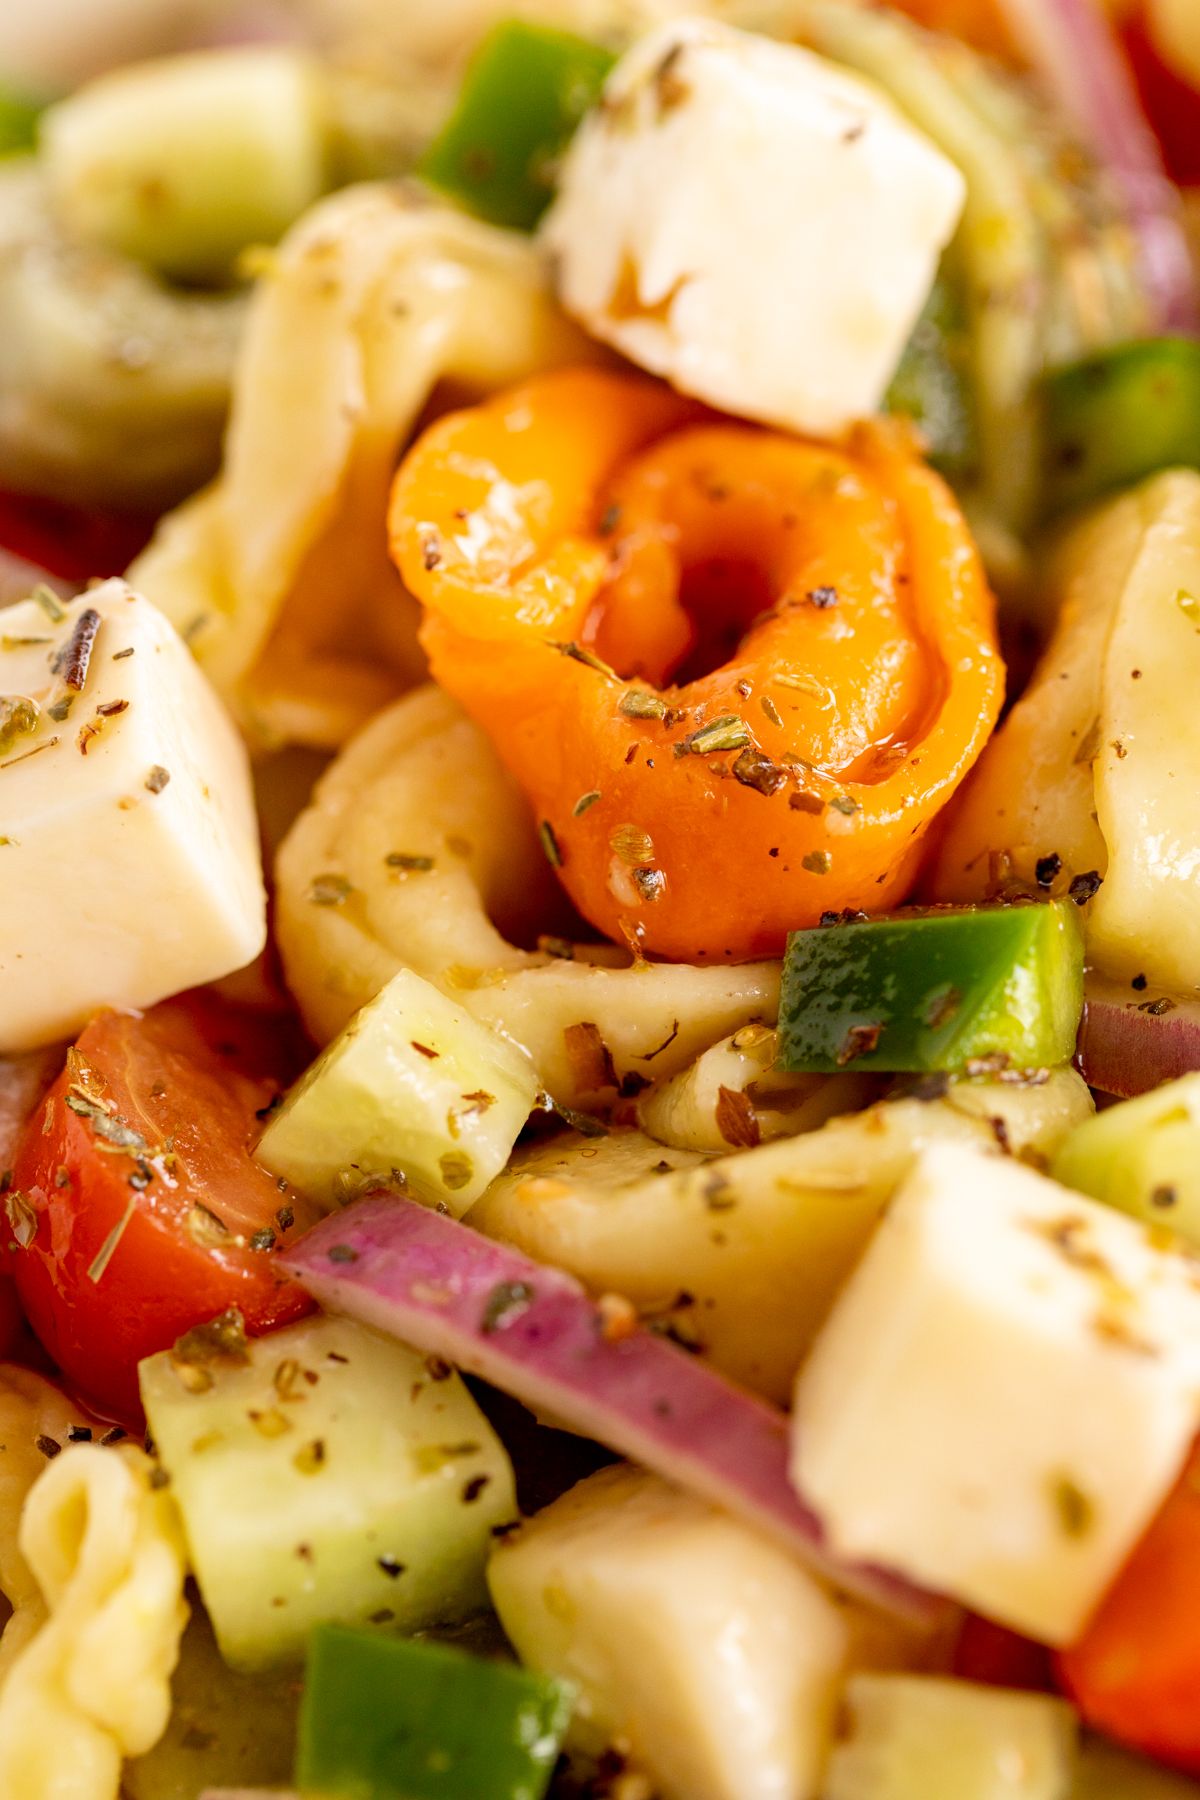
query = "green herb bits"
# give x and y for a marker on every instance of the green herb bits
(962, 990)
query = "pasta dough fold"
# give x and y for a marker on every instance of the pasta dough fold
(278, 574)
(92, 1685)
(415, 842)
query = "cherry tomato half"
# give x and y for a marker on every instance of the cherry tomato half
(1135, 1673)
(65, 540)
(136, 1209)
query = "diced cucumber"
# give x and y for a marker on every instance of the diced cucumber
(396, 1721)
(936, 990)
(1142, 1156)
(932, 385)
(324, 1473)
(525, 92)
(183, 162)
(1106, 1773)
(414, 1092)
(917, 1737)
(1119, 416)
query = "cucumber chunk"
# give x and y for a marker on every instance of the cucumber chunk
(324, 1473)
(942, 990)
(1142, 1157)
(402, 1721)
(914, 1737)
(525, 92)
(414, 1092)
(183, 162)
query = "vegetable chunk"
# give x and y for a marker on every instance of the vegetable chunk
(422, 1722)
(932, 991)
(414, 1092)
(1003, 1394)
(324, 1473)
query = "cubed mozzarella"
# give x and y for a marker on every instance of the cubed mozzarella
(1004, 1392)
(752, 222)
(707, 1651)
(129, 854)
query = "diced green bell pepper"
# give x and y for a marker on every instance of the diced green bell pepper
(19, 115)
(523, 95)
(936, 990)
(384, 1719)
(1119, 416)
(932, 385)
(1142, 1157)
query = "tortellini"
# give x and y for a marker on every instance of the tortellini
(1096, 772)
(378, 302)
(34, 1416)
(415, 842)
(740, 1257)
(92, 1685)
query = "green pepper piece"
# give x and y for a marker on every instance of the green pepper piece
(393, 1719)
(932, 385)
(19, 114)
(945, 989)
(1142, 1157)
(1119, 416)
(523, 95)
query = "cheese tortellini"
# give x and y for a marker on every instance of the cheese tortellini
(415, 843)
(34, 1416)
(1096, 772)
(278, 575)
(91, 1685)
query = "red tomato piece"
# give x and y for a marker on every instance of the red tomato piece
(65, 540)
(137, 1208)
(1000, 1658)
(1135, 1673)
(1172, 105)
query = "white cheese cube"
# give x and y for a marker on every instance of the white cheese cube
(1004, 1393)
(708, 1652)
(752, 222)
(129, 856)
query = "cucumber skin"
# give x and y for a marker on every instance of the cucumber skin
(945, 987)
(292, 1490)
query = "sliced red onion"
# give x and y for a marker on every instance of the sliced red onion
(1133, 1041)
(533, 1331)
(1080, 61)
